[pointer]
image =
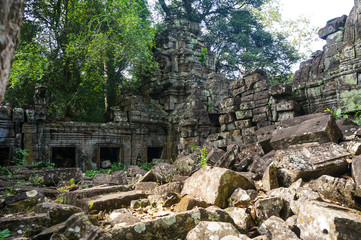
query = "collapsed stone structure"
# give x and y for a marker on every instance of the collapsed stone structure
(188, 103)
(273, 174)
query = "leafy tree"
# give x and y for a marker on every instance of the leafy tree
(84, 51)
(237, 35)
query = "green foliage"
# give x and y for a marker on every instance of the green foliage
(84, 51)
(203, 158)
(36, 179)
(20, 156)
(60, 200)
(237, 35)
(147, 166)
(5, 233)
(118, 166)
(351, 109)
(71, 182)
(202, 58)
(42, 164)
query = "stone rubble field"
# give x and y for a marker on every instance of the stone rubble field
(303, 182)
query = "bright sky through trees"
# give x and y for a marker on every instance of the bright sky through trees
(317, 11)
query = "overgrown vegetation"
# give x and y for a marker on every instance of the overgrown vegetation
(203, 157)
(351, 109)
(147, 166)
(118, 166)
(5, 233)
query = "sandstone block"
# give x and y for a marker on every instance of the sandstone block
(265, 208)
(310, 161)
(246, 114)
(269, 180)
(188, 203)
(214, 185)
(321, 129)
(275, 228)
(280, 90)
(330, 220)
(213, 230)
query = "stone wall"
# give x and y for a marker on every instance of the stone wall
(332, 76)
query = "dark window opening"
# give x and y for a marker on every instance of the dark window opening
(154, 152)
(64, 156)
(4, 156)
(109, 153)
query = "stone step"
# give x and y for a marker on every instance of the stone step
(71, 197)
(109, 201)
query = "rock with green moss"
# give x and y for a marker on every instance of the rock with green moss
(215, 185)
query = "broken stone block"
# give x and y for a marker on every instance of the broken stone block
(309, 161)
(215, 185)
(101, 178)
(332, 26)
(147, 187)
(265, 208)
(123, 217)
(108, 201)
(269, 180)
(241, 218)
(52, 176)
(119, 177)
(259, 164)
(212, 230)
(169, 227)
(242, 198)
(24, 200)
(335, 189)
(57, 212)
(173, 187)
(214, 155)
(356, 173)
(276, 229)
(322, 129)
(135, 171)
(280, 90)
(18, 225)
(185, 166)
(188, 203)
(320, 220)
(354, 147)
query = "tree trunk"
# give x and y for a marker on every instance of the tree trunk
(10, 24)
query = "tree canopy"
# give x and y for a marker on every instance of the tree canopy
(237, 35)
(83, 51)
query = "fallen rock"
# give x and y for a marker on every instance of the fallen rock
(214, 155)
(185, 166)
(321, 129)
(188, 203)
(52, 176)
(24, 200)
(147, 187)
(122, 218)
(18, 225)
(309, 161)
(101, 179)
(241, 218)
(213, 230)
(57, 212)
(276, 229)
(260, 164)
(135, 171)
(270, 178)
(320, 220)
(173, 187)
(356, 173)
(265, 208)
(335, 189)
(215, 185)
(242, 198)
(108, 201)
(118, 177)
(354, 147)
(169, 227)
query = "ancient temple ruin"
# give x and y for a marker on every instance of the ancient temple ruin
(188, 103)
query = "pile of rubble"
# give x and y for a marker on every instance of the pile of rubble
(300, 180)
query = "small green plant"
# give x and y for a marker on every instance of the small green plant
(91, 205)
(203, 158)
(63, 190)
(147, 166)
(351, 109)
(202, 58)
(5, 233)
(20, 156)
(36, 179)
(71, 182)
(60, 200)
(118, 166)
